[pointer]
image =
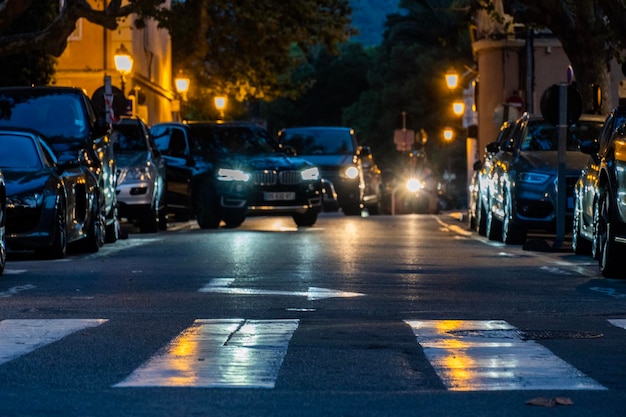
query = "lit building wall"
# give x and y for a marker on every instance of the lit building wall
(89, 57)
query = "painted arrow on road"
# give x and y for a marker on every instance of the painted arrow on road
(222, 286)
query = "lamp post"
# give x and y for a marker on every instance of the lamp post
(220, 104)
(182, 84)
(123, 64)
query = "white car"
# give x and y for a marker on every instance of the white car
(140, 176)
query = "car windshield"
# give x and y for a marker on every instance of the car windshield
(128, 138)
(226, 139)
(18, 152)
(319, 141)
(542, 136)
(54, 115)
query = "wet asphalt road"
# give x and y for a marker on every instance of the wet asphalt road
(269, 320)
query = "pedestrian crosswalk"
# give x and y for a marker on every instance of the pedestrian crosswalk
(467, 355)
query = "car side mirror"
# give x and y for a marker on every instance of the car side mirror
(591, 148)
(492, 147)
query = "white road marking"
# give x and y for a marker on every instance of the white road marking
(472, 355)
(234, 353)
(222, 286)
(18, 337)
(14, 290)
(618, 323)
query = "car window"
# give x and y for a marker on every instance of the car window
(128, 138)
(542, 136)
(319, 142)
(225, 139)
(54, 115)
(18, 152)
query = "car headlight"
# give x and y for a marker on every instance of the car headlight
(310, 174)
(414, 185)
(29, 200)
(532, 177)
(225, 174)
(351, 172)
(137, 174)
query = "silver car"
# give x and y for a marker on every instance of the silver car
(141, 176)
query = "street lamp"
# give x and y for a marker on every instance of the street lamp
(452, 79)
(220, 104)
(123, 64)
(182, 84)
(448, 134)
(458, 107)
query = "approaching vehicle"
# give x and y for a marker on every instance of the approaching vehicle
(481, 180)
(599, 224)
(141, 176)
(66, 118)
(227, 171)
(349, 167)
(48, 204)
(522, 186)
(410, 189)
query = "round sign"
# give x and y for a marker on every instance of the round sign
(550, 105)
(119, 102)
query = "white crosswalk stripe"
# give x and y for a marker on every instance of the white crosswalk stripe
(467, 355)
(473, 355)
(18, 337)
(219, 353)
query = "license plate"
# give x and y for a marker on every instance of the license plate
(280, 196)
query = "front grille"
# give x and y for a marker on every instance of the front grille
(267, 177)
(289, 177)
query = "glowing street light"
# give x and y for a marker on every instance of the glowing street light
(452, 79)
(182, 84)
(448, 134)
(123, 64)
(458, 107)
(220, 104)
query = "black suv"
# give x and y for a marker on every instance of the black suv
(65, 116)
(599, 223)
(349, 167)
(227, 171)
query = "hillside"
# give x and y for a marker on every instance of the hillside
(369, 16)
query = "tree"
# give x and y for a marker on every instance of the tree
(52, 39)
(248, 50)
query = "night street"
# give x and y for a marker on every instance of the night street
(357, 316)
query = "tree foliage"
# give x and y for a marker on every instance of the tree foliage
(248, 50)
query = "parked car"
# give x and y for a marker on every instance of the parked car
(480, 189)
(522, 188)
(66, 118)
(349, 167)
(3, 221)
(227, 171)
(599, 223)
(48, 204)
(141, 193)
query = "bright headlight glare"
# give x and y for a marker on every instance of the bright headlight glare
(310, 174)
(225, 174)
(352, 172)
(138, 173)
(32, 200)
(414, 185)
(532, 177)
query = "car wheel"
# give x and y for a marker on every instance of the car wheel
(493, 228)
(595, 241)
(580, 245)
(150, 222)
(95, 231)
(481, 219)
(58, 249)
(512, 233)
(610, 251)
(205, 208)
(112, 229)
(305, 219)
(233, 220)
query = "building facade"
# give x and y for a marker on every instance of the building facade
(89, 58)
